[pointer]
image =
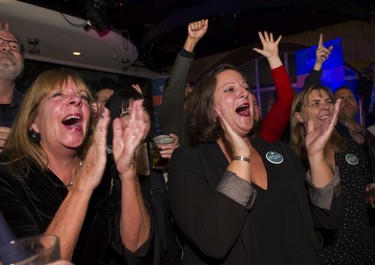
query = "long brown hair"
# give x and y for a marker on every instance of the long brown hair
(201, 122)
(19, 146)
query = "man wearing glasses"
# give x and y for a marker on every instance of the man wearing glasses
(11, 66)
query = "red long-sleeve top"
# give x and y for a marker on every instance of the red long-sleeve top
(277, 119)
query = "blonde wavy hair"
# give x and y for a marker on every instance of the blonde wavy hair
(19, 147)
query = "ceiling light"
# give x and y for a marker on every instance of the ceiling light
(77, 53)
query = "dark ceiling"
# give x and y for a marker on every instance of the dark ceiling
(159, 27)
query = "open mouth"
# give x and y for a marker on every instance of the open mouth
(243, 110)
(72, 120)
(324, 117)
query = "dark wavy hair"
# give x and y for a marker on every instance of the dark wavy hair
(202, 126)
(120, 101)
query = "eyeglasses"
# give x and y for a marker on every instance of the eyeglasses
(14, 45)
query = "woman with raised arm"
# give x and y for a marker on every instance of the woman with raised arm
(311, 109)
(239, 200)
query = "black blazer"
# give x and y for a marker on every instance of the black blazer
(212, 223)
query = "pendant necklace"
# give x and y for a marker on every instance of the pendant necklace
(71, 183)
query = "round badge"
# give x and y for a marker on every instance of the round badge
(274, 157)
(351, 159)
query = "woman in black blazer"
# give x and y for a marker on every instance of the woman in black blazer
(243, 201)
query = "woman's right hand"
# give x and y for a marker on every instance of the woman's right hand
(239, 147)
(237, 143)
(317, 138)
(92, 169)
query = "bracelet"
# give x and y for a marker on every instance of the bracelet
(242, 158)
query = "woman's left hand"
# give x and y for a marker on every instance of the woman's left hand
(316, 139)
(270, 46)
(127, 135)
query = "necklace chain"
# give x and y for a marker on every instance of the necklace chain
(71, 183)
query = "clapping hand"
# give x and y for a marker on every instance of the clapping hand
(317, 138)
(127, 135)
(91, 172)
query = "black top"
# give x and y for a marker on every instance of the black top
(285, 231)
(30, 202)
(352, 244)
(8, 115)
(368, 148)
(219, 230)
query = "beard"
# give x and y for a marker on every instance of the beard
(9, 70)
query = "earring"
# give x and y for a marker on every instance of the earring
(34, 136)
(300, 121)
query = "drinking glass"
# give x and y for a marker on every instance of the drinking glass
(158, 162)
(36, 250)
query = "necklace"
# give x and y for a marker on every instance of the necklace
(71, 183)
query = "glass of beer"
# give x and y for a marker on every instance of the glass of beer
(158, 162)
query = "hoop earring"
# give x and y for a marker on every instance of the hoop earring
(34, 136)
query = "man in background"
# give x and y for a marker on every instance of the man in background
(350, 129)
(103, 89)
(11, 66)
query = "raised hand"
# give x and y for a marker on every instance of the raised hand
(322, 53)
(197, 29)
(91, 172)
(270, 48)
(317, 138)
(128, 133)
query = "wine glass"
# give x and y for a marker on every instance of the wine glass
(35, 250)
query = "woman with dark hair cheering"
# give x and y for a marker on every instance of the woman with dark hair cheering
(239, 200)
